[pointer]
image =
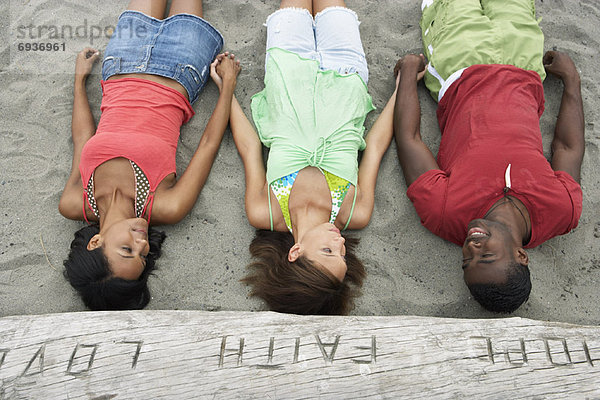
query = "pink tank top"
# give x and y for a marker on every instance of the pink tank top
(140, 121)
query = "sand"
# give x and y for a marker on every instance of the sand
(410, 271)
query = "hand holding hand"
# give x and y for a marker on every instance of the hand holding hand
(410, 60)
(224, 70)
(85, 61)
(560, 64)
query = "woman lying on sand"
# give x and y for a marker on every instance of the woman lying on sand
(311, 116)
(123, 172)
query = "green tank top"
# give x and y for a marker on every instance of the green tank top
(309, 117)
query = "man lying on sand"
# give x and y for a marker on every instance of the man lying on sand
(491, 189)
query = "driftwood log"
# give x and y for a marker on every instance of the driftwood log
(231, 355)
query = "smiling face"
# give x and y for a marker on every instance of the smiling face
(125, 245)
(323, 245)
(488, 251)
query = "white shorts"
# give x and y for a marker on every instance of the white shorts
(332, 38)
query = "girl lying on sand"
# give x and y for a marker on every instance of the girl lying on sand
(123, 171)
(311, 116)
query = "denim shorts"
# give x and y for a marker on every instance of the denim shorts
(180, 47)
(332, 38)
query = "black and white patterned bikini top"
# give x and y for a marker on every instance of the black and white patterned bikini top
(142, 193)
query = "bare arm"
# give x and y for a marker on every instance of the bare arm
(414, 155)
(378, 140)
(250, 149)
(568, 145)
(174, 204)
(83, 128)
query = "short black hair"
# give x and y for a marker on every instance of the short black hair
(508, 296)
(89, 273)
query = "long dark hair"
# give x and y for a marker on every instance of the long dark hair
(300, 287)
(89, 273)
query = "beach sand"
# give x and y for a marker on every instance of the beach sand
(410, 271)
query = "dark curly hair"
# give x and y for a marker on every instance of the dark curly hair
(508, 296)
(300, 287)
(89, 273)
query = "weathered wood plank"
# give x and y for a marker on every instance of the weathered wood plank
(187, 354)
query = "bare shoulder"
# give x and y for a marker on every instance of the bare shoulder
(260, 214)
(165, 207)
(355, 209)
(71, 203)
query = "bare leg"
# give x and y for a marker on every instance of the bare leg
(320, 5)
(153, 8)
(193, 7)
(298, 4)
